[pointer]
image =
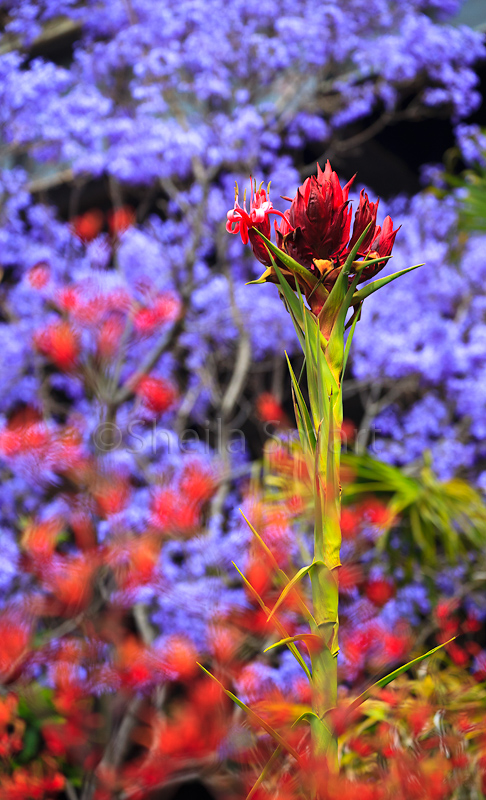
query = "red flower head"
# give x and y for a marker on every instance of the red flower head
(319, 218)
(365, 214)
(243, 222)
(315, 233)
(382, 246)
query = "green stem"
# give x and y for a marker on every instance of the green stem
(325, 582)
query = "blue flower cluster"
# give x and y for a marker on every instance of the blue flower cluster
(162, 103)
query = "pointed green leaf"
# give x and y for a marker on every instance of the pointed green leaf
(289, 294)
(254, 716)
(391, 677)
(375, 285)
(293, 649)
(261, 279)
(354, 252)
(311, 638)
(338, 291)
(335, 349)
(311, 367)
(292, 265)
(350, 340)
(264, 772)
(287, 589)
(307, 716)
(304, 411)
(280, 572)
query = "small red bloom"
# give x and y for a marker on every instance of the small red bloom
(197, 484)
(148, 319)
(382, 246)
(241, 221)
(87, 226)
(109, 336)
(59, 343)
(350, 523)
(180, 657)
(39, 275)
(350, 576)
(15, 638)
(120, 219)
(380, 591)
(157, 394)
(170, 514)
(269, 409)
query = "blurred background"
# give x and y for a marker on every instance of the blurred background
(145, 395)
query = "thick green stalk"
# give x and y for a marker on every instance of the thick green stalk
(325, 583)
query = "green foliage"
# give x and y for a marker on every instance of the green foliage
(440, 516)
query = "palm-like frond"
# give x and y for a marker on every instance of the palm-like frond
(445, 516)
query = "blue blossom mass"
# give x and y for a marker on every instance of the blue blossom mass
(160, 107)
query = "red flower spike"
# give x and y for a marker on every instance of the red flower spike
(320, 212)
(365, 215)
(315, 232)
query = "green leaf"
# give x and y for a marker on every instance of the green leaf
(292, 265)
(293, 649)
(280, 571)
(375, 285)
(264, 772)
(287, 589)
(331, 307)
(299, 637)
(32, 743)
(254, 716)
(306, 716)
(350, 340)
(308, 428)
(391, 677)
(289, 294)
(335, 349)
